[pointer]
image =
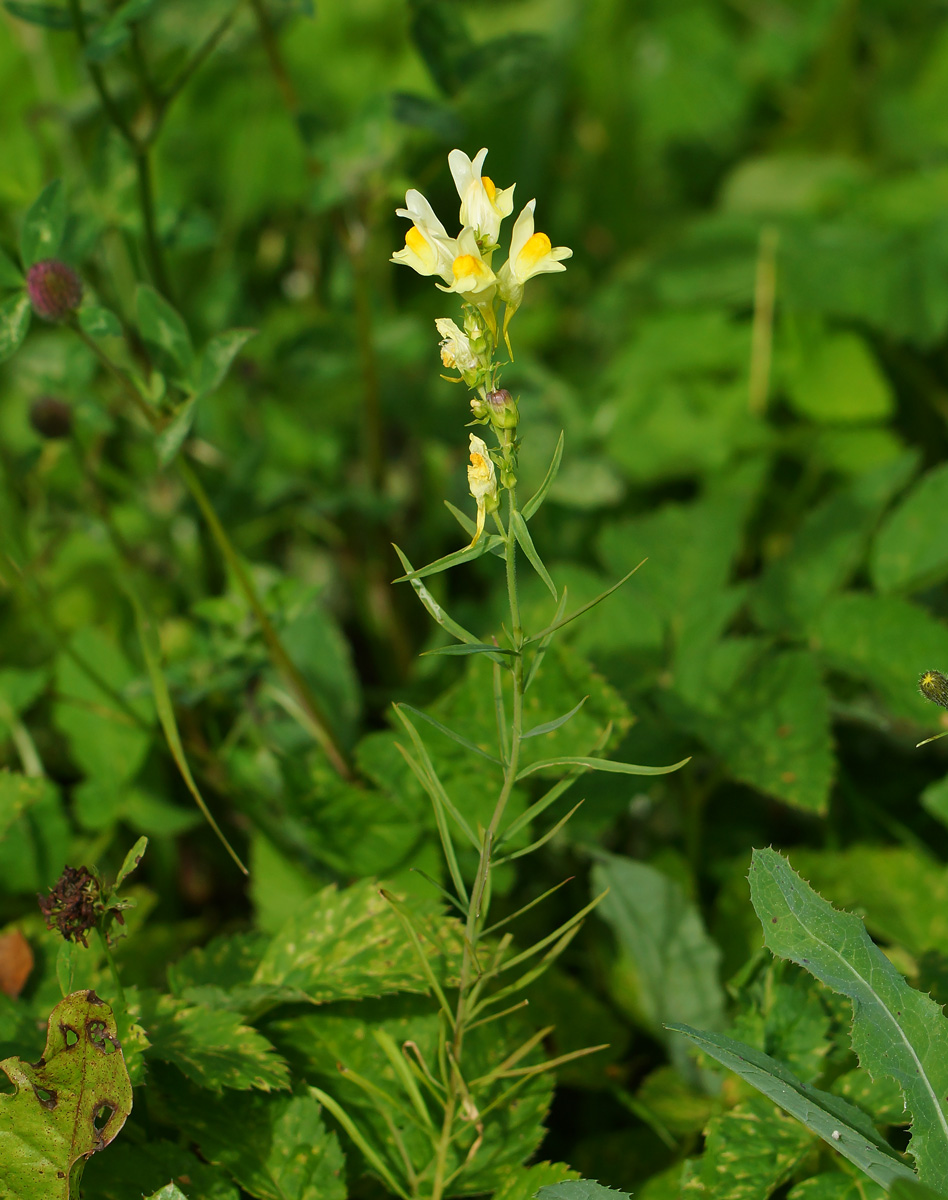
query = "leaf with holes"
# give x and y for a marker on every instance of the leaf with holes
(68, 1105)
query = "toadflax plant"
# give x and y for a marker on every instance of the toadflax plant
(456, 1099)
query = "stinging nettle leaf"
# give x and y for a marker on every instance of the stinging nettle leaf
(71, 1103)
(580, 1189)
(897, 1031)
(44, 224)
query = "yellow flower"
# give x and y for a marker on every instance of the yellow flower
(455, 347)
(428, 249)
(530, 254)
(482, 480)
(470, 273)
(483, 206)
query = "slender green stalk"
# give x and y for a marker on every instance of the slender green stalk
(113, 969)
(317, 722)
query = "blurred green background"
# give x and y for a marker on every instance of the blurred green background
(747, 355)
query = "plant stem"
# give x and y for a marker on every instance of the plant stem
(477, 911)
(110, 959)
(275, 58)
(317, 722)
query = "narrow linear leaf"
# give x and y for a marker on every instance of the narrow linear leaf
(437, 795)
(165, 709)
(539, 496)
(522, 534)
(433, 776)
(601, 764)
(14, 323)
(468, 554)
(897, 1031)
(44, 224)
(470, 528)
(469, 648)
(456, 737)
(434, 608)
(840, 1124)
(540, 653)
(50, 16)
(541, 841)
(585, 608)
(549, 726)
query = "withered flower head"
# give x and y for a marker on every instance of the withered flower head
(73, 904)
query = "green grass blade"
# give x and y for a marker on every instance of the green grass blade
(539, 496)
(522, 534)
(840, 1124)
(558, 624)
(434, 608)
(897, 1031)
(549, 726)
(468, 554)
(472, 648)
(148, 638)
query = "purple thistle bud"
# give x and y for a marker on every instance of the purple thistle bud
(50, 417)
(55, 290)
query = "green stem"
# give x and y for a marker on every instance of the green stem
(110, 959)
(317, 722)
(146, 200)
(274, 57)
(477, 911)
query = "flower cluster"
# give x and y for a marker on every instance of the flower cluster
(464, 265)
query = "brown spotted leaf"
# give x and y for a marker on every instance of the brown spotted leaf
(65, 1107)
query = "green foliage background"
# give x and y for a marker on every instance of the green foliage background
(783, 472)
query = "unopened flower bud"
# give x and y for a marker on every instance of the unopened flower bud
(502, 409)
(50, 417)
(55, 290)
(934, 686)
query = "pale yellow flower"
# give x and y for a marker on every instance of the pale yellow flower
(530, 254)
(456, 352)
(428, 249)
(482, 480)
(470, 273)
(483, 206)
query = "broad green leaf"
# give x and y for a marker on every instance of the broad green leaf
(97, 321)
(162, 326)
(522, 534)
(819, 1111)
(131, 1168)
(769, 719)
(537, 499)
(522, 1183)
(468, 554)
(131, 861)
(837, 1186)
(600, 764)
(897, 1031)
(905, 1189)
(750, 1150)
(69, 1104)
(348, 944)
(662, 939)
(580, 1189)
(217, 357)
(51, 16)
(44, 225)
(837, 378)
(274, 1147)
(210, 1045)
(15, 314)
(18, 794)
(885, 642)
(10, 274)
(909, 554)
